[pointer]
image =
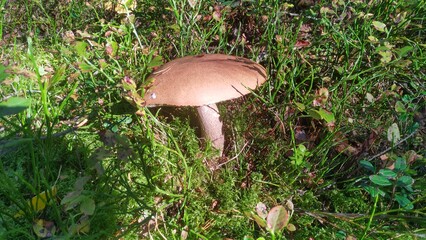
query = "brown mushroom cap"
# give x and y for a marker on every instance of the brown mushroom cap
(203, 80)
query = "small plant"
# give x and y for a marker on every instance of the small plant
(393, 183)
(275, 220)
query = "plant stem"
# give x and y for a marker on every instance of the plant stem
(371, 216)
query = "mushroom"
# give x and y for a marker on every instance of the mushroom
(202, 81)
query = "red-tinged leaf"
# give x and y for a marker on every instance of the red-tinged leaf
(302, 43)
(261, 210)
(44, 229)
(277, 218)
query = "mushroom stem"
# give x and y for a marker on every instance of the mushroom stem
(211, 125)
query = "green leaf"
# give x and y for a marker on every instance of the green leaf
(3, 73)
(404, 51)
(374, 191)
(393, 133)
(260, 221)
(399, 107)
(322, 114)
(300, 106)
(379, 26)
(404, 202)
(409, 188)
(386, 56)
(380, 180)
(387, 173)
(291, 227)
(58, 76)
(326, 115)
(87, 206)
(277, 218)
(155, 62)
(400, 164)
(405, 181)
(80, 48)
(314, 114)
(72, 199)
(14, 105)
(84, 67)
(367, 165)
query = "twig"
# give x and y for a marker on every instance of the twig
(233, 158)
(63, 133)
(395, 145)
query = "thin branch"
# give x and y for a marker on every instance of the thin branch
(395, 145)
(63, 133)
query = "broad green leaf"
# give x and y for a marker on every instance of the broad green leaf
(400, 164)
(84, 67)
(314, 114)
(87, 206)
(393, 133)
(14, 105)
(380, 180)
(80, 182)
(72, 200)
(322, 114)
(405, 181)
(373, 190)
(399, 107)
(3, 73)
(326, 115)
(409, 188)
(387, 173)
(367, 165)
(404, 51)
(300, 106)
(379, 26)
(80, 48)
(277, 218)
(404, 202)
(155, 62)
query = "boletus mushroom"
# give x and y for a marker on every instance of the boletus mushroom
(202, 81)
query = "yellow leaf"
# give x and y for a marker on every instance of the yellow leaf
(38, 202)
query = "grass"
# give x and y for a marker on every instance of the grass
(335, 136)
